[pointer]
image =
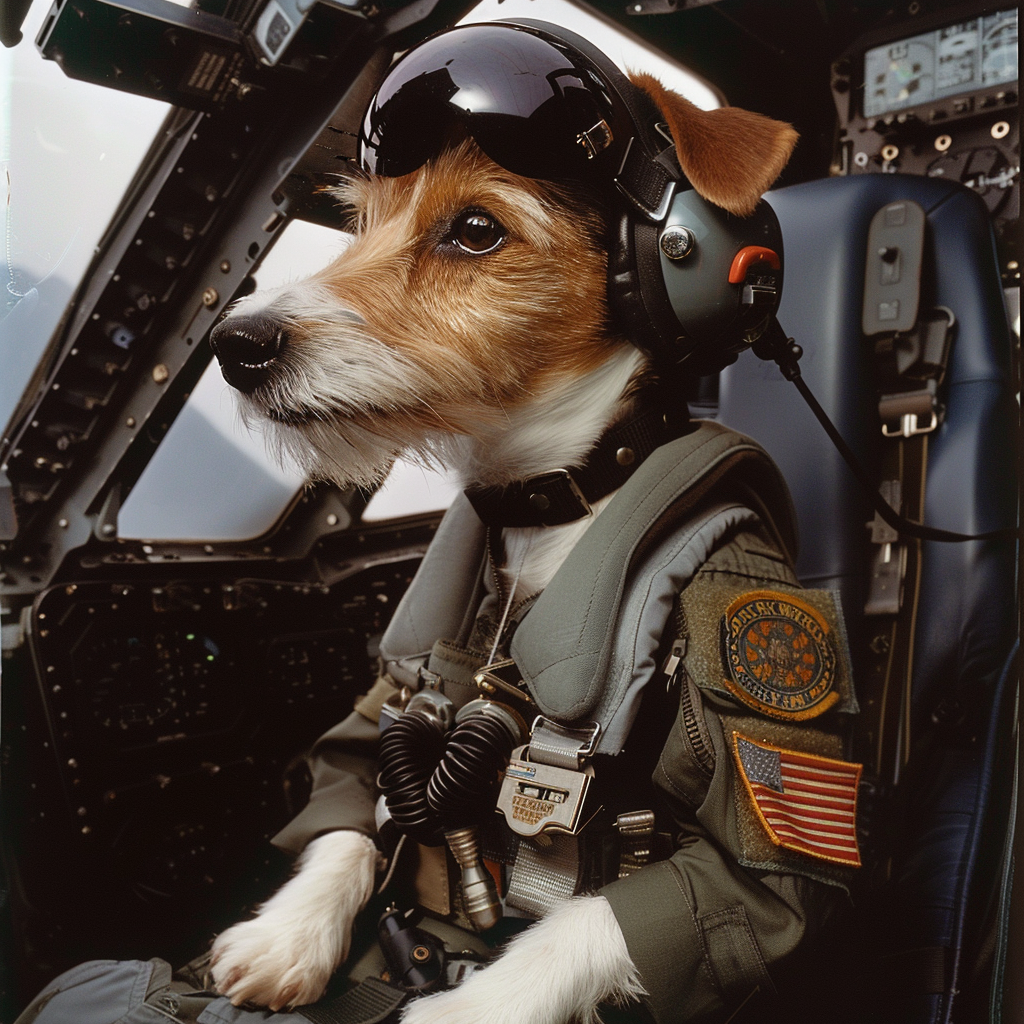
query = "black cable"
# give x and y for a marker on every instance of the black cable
(775, 346)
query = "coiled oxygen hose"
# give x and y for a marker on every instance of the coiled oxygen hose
(410, 750)
(438, 785)
(478, 748)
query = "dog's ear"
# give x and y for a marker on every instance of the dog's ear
(731, 156)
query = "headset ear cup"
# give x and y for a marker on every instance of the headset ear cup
(637, 296)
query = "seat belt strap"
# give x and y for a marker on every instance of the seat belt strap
(891, 608)
(910, 355)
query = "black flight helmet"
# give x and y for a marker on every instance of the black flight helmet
(545, 103)
(535, 106)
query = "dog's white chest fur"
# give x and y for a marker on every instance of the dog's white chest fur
(534, 554)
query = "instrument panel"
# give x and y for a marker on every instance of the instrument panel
(173, 716)
(979, 55)
(938, 99)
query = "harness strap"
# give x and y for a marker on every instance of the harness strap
(892, 608)
(910, 355)
(561, 745)
(541, 878)
(370, 1002)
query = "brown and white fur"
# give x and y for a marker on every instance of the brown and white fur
(499, 365)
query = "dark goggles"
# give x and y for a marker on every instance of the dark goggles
(534, 107)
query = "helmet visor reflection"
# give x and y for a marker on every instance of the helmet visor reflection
(531, 107)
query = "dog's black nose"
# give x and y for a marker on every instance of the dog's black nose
(247, 347)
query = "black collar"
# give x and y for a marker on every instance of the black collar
(565, 495)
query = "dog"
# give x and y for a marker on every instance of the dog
(465, 325)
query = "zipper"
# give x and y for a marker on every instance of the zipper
(703, 755)
(675, 669)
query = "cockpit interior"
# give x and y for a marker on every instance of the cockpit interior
(183, 615)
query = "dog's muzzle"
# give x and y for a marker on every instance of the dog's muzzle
(247, 348)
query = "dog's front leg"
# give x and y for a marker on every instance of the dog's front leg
(559, 970)
(286, 955)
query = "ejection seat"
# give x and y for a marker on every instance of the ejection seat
(914, 942)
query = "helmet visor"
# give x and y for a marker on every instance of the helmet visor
(532, 107)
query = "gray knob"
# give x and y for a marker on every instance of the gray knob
(677, 242)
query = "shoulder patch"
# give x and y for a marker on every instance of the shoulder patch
(779, 655)
(806, 802)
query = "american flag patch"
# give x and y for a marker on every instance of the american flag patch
(806, 802)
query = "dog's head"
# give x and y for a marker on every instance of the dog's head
(473, 298)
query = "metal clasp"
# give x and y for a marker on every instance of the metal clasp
(537, 798)
(540, 500)
(885, 585)
(911, 425)
(574, 490)
(594, 139)
(427, 680)
(546, 782)
(502, 677)
(636, 832)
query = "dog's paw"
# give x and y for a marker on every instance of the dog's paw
(559, 970)
(286, 955)
(265, 961)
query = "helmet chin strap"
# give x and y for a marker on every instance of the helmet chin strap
(565, 495)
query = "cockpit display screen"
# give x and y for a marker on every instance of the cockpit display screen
(959, 58)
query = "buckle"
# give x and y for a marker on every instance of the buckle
(427, 680)
(537, 798)
(561, 480)
(913, 365)
(502, 677)
(594, 139)
(545, 784)
(885, 586)
(636, 840)
(911, 425)
(631, 179)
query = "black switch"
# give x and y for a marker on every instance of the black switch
(891, 264)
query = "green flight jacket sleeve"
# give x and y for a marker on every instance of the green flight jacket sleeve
(705, 926)
(343, 763)
(701, 928)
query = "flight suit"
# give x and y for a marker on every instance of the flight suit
(749, 875)
(760, 689)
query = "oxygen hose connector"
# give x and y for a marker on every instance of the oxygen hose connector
(461, 790)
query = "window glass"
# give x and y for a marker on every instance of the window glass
(211, 478)
(68, 150)
(410, 490)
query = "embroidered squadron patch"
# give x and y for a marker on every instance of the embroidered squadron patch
(779, 655)
(806, 802)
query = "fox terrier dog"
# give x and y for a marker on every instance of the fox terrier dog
(466, 324)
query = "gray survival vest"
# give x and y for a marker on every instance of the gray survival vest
(587, 646)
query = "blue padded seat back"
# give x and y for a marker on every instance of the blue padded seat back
(966, 623)
(972, 458)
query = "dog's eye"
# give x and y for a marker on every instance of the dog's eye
(477, 232)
